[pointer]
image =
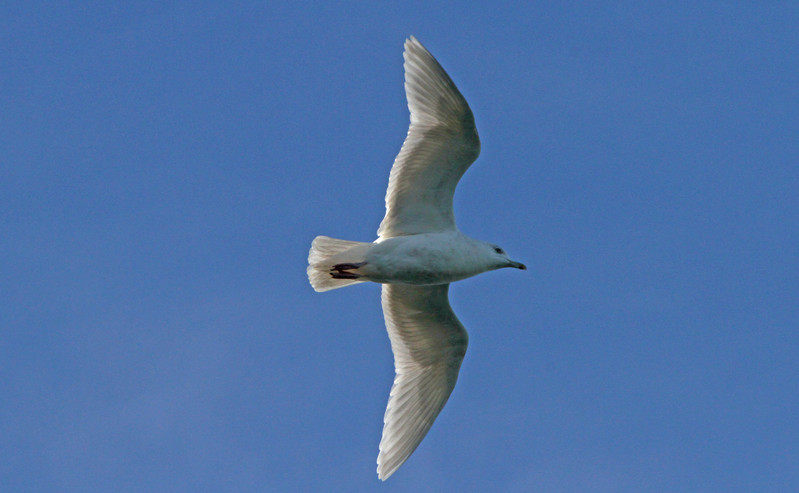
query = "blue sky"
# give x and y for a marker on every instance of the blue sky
(164, 167)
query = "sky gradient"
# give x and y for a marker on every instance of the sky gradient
(165, 166)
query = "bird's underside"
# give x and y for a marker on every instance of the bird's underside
(427, 339)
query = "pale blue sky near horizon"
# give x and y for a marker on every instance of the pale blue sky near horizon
(164, 167)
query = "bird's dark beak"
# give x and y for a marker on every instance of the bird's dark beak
(517, 265)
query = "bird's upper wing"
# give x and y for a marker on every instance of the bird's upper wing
(442, 142)
(428, 343)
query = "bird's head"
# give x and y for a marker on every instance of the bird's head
(501, 259)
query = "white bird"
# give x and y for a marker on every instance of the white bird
(418, 252)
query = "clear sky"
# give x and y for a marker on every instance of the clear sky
(164, 167)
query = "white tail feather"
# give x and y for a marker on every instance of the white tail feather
(327, 252)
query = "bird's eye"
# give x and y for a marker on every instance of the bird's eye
(499, 250)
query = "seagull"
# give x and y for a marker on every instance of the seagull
(419, 251)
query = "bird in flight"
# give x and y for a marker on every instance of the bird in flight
(418, 253)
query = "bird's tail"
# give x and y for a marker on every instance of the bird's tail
(331, 262)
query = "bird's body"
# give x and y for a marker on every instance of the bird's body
(423, 259)
(419, 251)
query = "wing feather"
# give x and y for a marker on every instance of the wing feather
(441, 144)
(428, 343)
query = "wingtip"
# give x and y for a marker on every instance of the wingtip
(412, 42)
(382, 473)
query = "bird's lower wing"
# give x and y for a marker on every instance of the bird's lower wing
(428, 343)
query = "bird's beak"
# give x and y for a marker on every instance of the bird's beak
(517, 265)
